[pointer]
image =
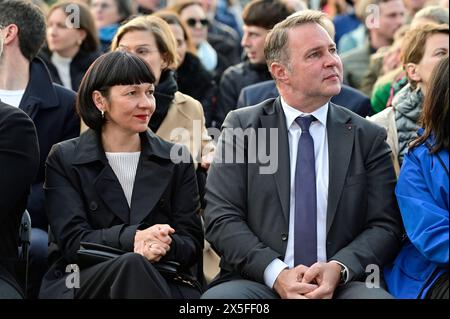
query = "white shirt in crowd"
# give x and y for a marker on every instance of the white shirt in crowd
(62, 65)
(12, 98)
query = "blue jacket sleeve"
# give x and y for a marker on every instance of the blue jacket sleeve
(421, 191)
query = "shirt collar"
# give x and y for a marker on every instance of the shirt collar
(291, 113)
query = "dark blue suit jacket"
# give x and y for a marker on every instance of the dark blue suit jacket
(19, 160)
(52, 109)
(348, 97)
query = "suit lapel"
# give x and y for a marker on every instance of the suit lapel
(154, 173)
(275, 119)
(340, 144)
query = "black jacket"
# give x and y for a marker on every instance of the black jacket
(194, 80)
(233, 81)
(226, 42)
(78, 67)
(19, 162)
(52, 109)
(85, 201)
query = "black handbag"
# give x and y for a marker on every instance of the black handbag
(91, 254)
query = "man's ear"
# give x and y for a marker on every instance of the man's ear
(279, 72)
(412, 70)
(10, 34)
(99, 100)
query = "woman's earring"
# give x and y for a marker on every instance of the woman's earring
(103, 113)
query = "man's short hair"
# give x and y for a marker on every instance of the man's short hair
(30, 21)
(275, 47)
(110, 69)
(265, 13)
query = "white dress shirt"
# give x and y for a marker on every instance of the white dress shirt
(318, 131)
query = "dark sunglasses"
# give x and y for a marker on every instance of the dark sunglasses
(193, 22)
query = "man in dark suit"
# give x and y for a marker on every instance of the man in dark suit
(349, 97)
(19, 162)
(322, 213)
(26, 83)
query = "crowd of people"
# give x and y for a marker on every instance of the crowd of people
(118, 118)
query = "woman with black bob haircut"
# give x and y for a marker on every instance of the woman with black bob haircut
(116, 186)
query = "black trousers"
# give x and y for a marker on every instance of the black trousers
(129, 276)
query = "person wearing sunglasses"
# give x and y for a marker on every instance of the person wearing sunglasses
(195, 17)
(192, 78)
(192, 22)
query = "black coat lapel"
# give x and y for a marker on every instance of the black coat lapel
(275, 119)
(340, 144)
(110, 191)
(153, 175)
(39, 92)
(90, 152)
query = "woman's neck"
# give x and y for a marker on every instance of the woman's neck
(115, 141)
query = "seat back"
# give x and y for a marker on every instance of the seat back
(24, 244)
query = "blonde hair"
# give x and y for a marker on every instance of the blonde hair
(159, 28)
(414, 42)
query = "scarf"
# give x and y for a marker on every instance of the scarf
(408, 106)
(107, 33)
(164, 94)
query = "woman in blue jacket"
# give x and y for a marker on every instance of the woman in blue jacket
(421, 268)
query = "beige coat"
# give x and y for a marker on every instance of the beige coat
(185, 124)
(186, 113)
(386, 119)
